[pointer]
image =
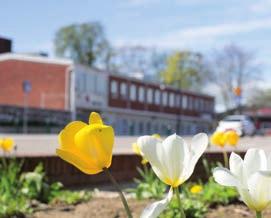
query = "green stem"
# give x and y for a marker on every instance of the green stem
(177, 193)
(124, 201)
(226, 159)
(258, 214)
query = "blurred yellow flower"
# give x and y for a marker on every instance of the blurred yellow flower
(221, 139)
(195, 189)
(87, 146)
(218, 139)
(231, 137)
(137, 149)
(7, 144)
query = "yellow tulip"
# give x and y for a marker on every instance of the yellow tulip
(7, 144)
(87, 146)
(195, 189)
(218, 139)
(231, 138)
(137, 149)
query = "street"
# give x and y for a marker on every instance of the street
(45, 144)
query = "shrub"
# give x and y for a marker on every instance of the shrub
(17, 190)
(148, 186)
(195, 201)
(193, 209)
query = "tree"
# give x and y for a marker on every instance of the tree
(137, 59)
(184, 70)
(260, 98)
(230, 68)
(84, 43)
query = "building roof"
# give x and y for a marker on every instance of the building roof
(32, 58)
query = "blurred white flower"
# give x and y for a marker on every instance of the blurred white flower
(173, 161)
(251, 177)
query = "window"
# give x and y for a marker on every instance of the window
(90, 83)
(141, 128)
(114, 89)
(190, 103)
(171, 100)
(157, 97)
(101, 85)
(133, 92)
(123, 91)
(196, 104)
(141, 94)
(180, 101)
(165, 98)
(150, 96)
(201, 104)
(184, 102)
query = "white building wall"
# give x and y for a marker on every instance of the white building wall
(90, 88)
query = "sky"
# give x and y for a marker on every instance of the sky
(199, 25)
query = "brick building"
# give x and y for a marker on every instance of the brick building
(49, 79)
(132, 106)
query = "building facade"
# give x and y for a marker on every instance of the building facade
(48, 78)
(131, 106)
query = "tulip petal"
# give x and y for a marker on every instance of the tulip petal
(95, 118)
(156, 208)
(259, 185)
(236, 165)
(255, 159)
(224, 177)
(175, 154)
(77, 161)
(246, 197)
(198, 146)
(269, 162)
(95, 143)
(66, 136)
(151, 150)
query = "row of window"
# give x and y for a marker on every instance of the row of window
(158, 97)
(130, 127)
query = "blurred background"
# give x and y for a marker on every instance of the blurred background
(147, 66)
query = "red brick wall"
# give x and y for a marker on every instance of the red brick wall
(46, 78)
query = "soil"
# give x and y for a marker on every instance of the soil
(101, 207)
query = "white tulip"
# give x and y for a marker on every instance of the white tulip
(251, 177)
(173, 161)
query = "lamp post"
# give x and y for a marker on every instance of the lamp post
(27, 87)
(238, 98)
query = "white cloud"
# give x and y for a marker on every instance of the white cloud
(193, 36)
(261, 6)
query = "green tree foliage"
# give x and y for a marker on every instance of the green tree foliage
(84, 43)
(183, 70)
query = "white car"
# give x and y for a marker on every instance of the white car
(242, 124)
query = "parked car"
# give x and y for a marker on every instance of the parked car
(242, 124)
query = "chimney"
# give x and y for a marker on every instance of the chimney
(5, 45)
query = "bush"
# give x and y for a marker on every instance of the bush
(192, 209)
(195, 203)
(18, 190)
(214, 193)
(148, 186)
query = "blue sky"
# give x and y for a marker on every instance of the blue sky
(200, 25)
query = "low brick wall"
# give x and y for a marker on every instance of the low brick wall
(123, 169)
